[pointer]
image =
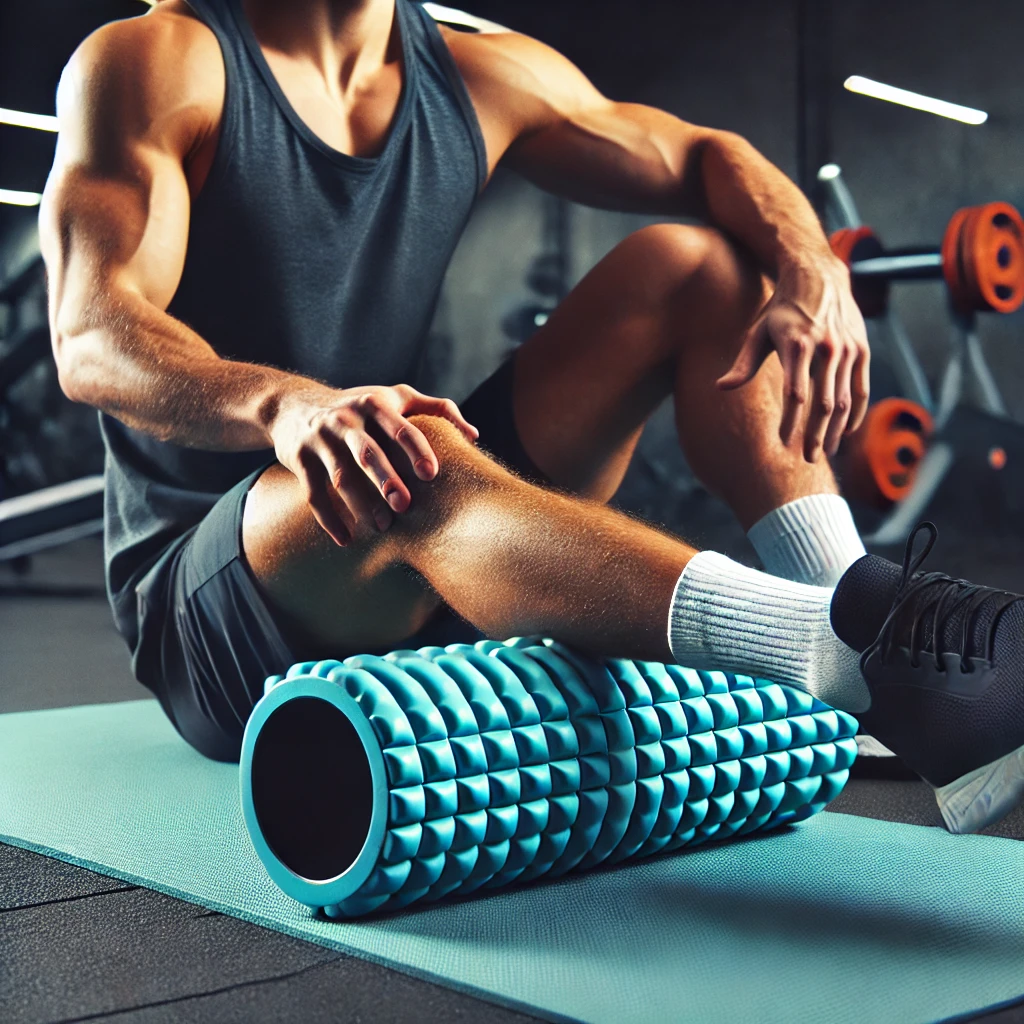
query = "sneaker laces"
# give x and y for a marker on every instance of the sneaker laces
(947, 597)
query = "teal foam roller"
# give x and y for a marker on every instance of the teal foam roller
(380, 781)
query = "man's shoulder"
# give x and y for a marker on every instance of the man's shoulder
(171, 29)
(517, 83)
(167, 57)
(514, 66)
(490, 52)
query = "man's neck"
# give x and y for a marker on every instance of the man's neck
(345, 39)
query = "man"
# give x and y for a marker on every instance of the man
(246, 228)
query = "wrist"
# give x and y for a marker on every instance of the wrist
(809, 259)
(290, 402)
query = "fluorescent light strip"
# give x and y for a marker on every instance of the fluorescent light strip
(880, 91)
(455, 17)
(44, 122)
(8, 195)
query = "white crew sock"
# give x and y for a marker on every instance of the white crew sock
(729, 617)
(810, 540)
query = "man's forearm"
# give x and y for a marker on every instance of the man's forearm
(759, 206)
(135, 362)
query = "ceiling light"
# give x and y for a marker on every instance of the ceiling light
(451, 16)
(880, 91)
(44, 122)
(8, 195)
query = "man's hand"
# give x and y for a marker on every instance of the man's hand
(814, 324)
(326, 438)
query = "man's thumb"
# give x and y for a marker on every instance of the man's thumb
(748, 361)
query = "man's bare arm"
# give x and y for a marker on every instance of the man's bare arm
(136, 100)
(114, 228)
(542, 117)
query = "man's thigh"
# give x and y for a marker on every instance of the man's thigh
(588, 380)
(329, 601)
(256, 587)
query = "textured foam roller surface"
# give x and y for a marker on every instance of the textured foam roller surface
(496, 764)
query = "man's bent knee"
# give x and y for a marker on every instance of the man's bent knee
(679, 246)
(671, 256)
(279, 528)
(463, 469)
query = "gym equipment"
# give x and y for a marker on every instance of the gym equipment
(985, 493)
(838, 918)
(881, 457)
(983, 258)
(45, 438)
(981, 261)
(49, 517)
(380, 781)
(548, 276)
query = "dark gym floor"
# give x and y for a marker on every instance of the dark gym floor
(75, 945)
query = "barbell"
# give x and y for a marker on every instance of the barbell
(981, 260)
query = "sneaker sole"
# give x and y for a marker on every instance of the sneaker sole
(983, 796)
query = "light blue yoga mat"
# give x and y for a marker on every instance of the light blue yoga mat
(837, 919)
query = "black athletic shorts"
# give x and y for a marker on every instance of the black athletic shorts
(212, 640)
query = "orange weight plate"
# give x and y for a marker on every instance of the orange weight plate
(845, 240)
(881, 458)
(850, 244)
(952, 262)
(983, 258)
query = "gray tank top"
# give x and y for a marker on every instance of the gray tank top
(303, 258)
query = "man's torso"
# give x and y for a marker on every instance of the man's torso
(300, 254)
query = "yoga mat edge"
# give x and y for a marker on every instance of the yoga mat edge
(286, 929)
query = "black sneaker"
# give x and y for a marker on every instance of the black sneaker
(944, 661)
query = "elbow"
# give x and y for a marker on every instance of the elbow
(70, 372)
(720, 147)
(79, 340)
(728, 140)
(70, 383)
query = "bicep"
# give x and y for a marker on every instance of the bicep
(568, 138)
(115, 210)
(114, 229)
(621, 156)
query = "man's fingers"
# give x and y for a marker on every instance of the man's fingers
(823, 403)
(749, 359)
(444, 407)
(843, 402)
(412, 441)
(376, 465)
(365, 506)
(447, 409)
(353, 503)
(795, 356)
(860, 389)
(450, 411)
(317, 486)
